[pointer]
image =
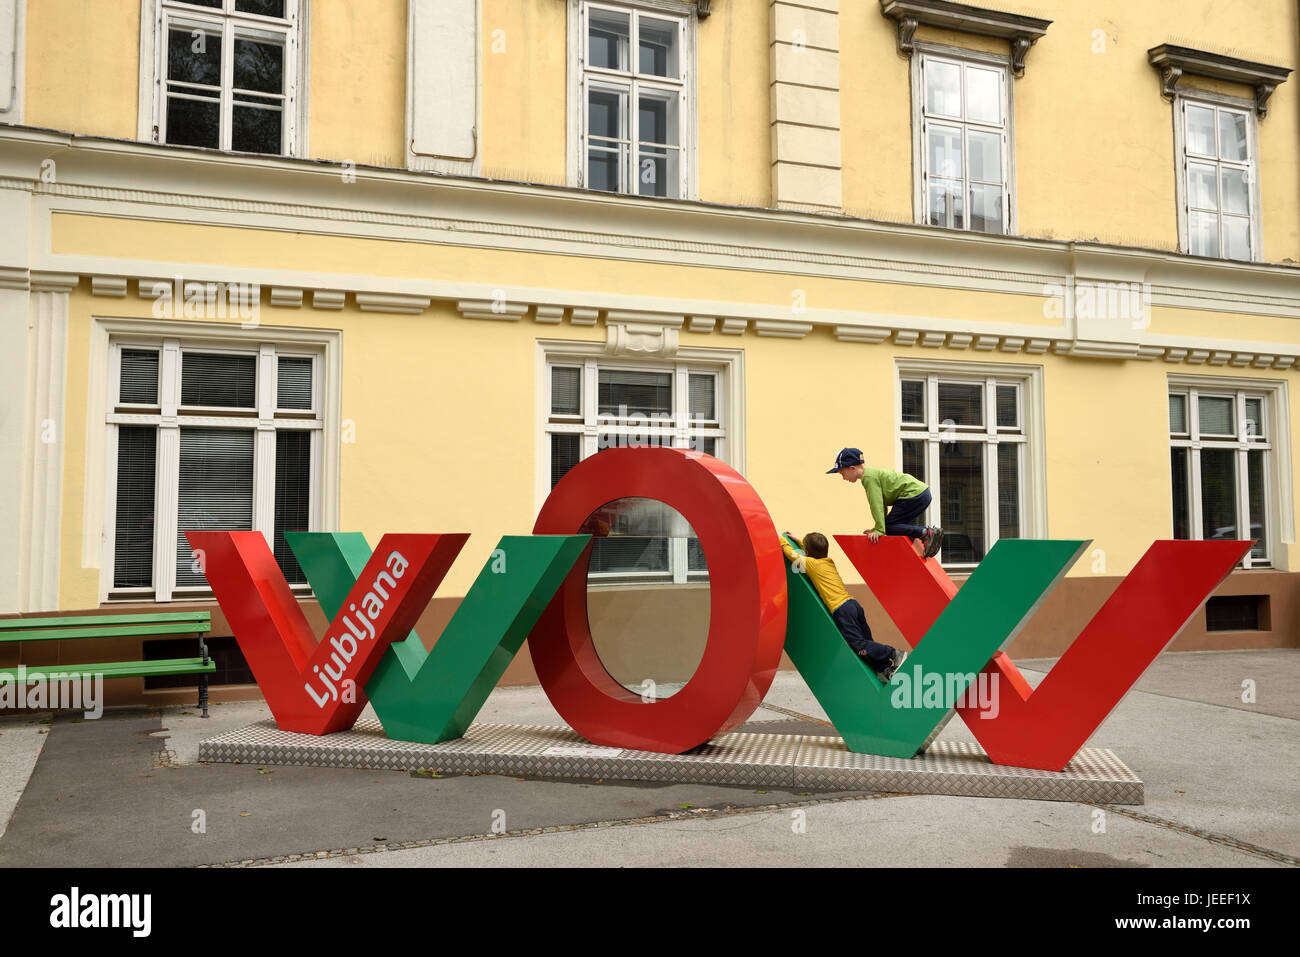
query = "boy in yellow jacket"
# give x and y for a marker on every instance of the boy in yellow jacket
(845, 611)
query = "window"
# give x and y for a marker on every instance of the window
(1221, 441)
(593, 404)
(226, 74)
(1237, 613)
(962, 111)
(971, 438)
(207, 435)
(1219, 199)
(634, 111)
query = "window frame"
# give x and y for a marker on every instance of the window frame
(156, 15)
(579, 75)
(1279, 513)
(726, 365)
(1217, 101)
(1030, 438)
(923, 51)
(172, 340)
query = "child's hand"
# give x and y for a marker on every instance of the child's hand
(874, 536)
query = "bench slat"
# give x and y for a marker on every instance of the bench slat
(130, 631)
(202, 618)
(126, 632)
(121, 669)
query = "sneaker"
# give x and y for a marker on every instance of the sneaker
(926, 538)
(935, 543)
(895, 662)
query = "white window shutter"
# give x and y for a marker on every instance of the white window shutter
(443, 70)
(8, 53)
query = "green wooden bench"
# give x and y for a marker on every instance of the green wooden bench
(73, 627)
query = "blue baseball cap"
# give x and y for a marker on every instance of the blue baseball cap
(846, 459)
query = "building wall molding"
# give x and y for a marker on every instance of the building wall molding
(110, 178)
(1128, 340)
(1020, 31)
(47, 361)
(13, 59)
(1173, 61)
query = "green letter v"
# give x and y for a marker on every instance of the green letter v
(433, 696)
(902, 718)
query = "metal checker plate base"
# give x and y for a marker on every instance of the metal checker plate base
(769, 760)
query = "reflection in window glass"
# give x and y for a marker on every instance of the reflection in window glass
(961, 403)
(1219, 493)
(1180, 469)
(961, 509)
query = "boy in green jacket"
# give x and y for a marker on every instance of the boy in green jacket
(908, 497)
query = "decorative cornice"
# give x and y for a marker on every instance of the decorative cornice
(286, 297)
(869, 334)
(12, 277)
(328, 298)
(44, 281)
(1019, 30)
(392, 302)
(103, 177)
(491, 309)
(782, 328)
(647, 339)
(108, 286)
(1173, 61)
(615, 316)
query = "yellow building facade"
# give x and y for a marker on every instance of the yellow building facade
(396, 265)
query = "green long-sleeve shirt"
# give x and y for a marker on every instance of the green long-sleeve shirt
(884, 487)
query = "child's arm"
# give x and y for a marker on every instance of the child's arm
(790, 553)
(876, 499)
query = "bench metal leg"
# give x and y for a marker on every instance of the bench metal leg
(203, 678)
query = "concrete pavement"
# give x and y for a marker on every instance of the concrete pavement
(1221, 781)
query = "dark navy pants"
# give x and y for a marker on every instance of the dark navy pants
(852, 623)
(904, 513)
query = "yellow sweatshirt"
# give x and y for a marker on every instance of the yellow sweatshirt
(822, 573)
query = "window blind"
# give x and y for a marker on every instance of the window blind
(216, 490)
(292, 496)
(1006, 398)
(1215, 415)
(701, 389)
(133, 536)
(1178, 413)
(228, 381)
(564, 455)
(139, 376)
(566, 391)
(629, 392)
(293, 383)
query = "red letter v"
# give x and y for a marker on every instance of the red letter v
(1044, 727)
(319, 688)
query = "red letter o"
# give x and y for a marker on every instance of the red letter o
(747, 614)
